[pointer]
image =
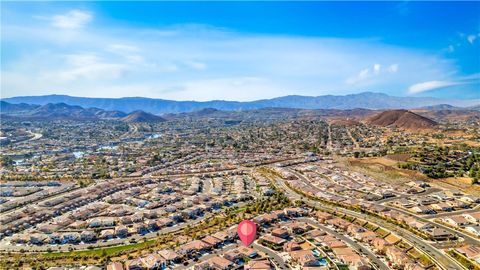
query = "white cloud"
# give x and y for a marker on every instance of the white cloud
(393, 68)
(187, 63)
(430, 85)
(471, 38)
(72, 20)
(376, 69)
(197, 65)
(93, 71)
(362, 75)
(122, 48)
(81, 59)
(473, 79)
(370, 73)
(87, 67)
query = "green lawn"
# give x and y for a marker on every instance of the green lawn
(102, 251)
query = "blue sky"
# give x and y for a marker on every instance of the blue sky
(240, 50)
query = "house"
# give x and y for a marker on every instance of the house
(473, 217)
(414, 223)
(339, 223)
(134, 264)
(442, 207)
(305, 258)
(276, 243)
(115, 266)
(353, 260)
(475, 230)
(293, 212)
(380, 245)
(422, 209)
(54, 238)
(140, 228)
(37, 238)
(269, 217)
(220, 263)
(281, 233)
(233, 255)
(469, 251)
(87, 236)
(169, 256)
(397, 257)
(406, 203)
(121, 231)
(315, 233)
(470, 199)
(70, 237)
(107, 234)
(366, 236)
(298, 227)
(222, 236)
(263, 264)
(247, 252)
(322, 217)
(151, 225)
(193, 247)
(440, 234)
(212, 241)
(352, 229)
(291, 246)
(457, 221)
(154, 261)
(164, 222)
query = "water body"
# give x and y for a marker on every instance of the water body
(107, 147)
(154, 136)
(78, 154)
(18, 161)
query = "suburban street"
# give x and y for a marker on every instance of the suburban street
(361, 249)
(441, 258)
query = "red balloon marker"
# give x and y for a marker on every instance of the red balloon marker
(247, 231)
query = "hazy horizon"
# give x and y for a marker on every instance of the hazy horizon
(231, 100)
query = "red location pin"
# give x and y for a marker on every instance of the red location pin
(247, 231)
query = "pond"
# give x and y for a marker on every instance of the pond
(78, 154)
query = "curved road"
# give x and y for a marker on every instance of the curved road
(441, 259)
(359, 248)
(469, 239)
(272, 255)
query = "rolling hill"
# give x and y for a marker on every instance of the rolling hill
(55, 111)
(401, 119)
(142, 117)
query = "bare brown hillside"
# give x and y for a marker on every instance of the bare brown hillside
(141, 116)
(402, 119)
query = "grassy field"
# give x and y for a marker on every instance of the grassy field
(100, 252)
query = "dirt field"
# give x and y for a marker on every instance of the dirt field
(460, 183)
(385, 169)
(398, 157)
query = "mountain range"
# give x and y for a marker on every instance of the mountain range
(366, 100)
(62, 111)
(417, 118)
